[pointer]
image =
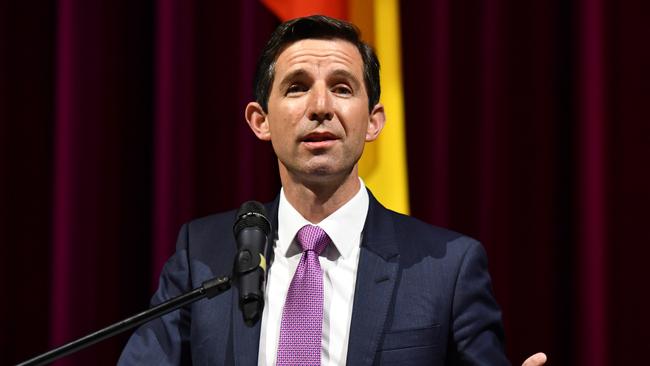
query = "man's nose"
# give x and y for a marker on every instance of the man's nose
(320, 104)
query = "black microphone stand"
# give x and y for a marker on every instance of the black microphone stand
(208, 289)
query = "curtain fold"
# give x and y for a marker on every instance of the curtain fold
(101, 152)
(27, 46)
(174, 124)
(591, 180)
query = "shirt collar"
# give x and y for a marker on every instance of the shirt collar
(343, 226)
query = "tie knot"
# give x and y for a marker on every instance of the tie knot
(313, 238)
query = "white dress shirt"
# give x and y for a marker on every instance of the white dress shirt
(339, 262)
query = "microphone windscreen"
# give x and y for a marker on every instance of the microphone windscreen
(252, 214)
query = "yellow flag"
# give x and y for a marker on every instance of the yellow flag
(383, 164)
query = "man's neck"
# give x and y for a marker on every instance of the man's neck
(317, 199)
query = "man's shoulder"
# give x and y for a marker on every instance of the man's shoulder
(415, 235)
(412, 226)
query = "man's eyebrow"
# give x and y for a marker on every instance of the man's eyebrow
(293, 75)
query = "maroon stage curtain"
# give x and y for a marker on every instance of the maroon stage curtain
(120, 121)
(526, 129)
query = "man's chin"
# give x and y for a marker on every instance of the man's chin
(325, 174)
(327, 167)
(321, 171)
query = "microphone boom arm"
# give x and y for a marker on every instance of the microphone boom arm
(208, 289)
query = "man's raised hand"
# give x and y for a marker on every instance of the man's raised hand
(537, 359)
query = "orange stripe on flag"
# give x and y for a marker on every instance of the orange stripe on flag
(289, 9)
(361, 14)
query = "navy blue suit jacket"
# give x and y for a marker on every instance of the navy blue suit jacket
(423, 297)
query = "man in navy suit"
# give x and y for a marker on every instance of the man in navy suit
(397, 291)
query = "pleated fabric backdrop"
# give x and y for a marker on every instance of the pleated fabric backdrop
(525, 126)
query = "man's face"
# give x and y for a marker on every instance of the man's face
(318, 118)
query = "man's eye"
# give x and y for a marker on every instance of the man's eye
(342, 90)
(296, 88)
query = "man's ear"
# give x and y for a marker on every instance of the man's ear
(257, 121)
(376, 122)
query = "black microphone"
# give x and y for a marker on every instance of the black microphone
(251, 232)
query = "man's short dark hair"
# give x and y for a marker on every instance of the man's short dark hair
(314, 27)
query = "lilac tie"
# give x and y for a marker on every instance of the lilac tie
(302, 317)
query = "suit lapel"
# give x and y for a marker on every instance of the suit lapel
(376, 277)
(246, 340)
